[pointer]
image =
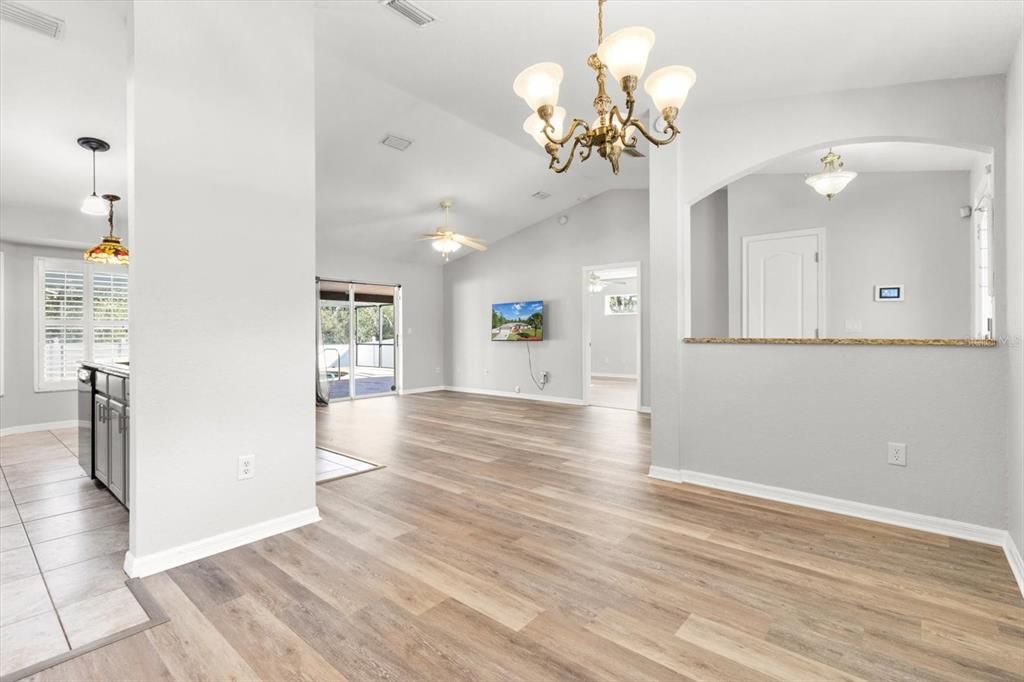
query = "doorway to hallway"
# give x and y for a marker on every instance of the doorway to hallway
(611, 335)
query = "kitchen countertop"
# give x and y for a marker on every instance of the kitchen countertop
(116, 368)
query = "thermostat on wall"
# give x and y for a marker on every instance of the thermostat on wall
(892, 292)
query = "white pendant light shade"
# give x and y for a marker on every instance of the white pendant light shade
(446, 245)
(669, 86)
(830, 183)
(539, 84)
(94, 205)
(534, 126)
(625, 51)
(833, 179)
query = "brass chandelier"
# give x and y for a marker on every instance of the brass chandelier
(624, 54)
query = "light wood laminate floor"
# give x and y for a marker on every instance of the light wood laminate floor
(515, 540)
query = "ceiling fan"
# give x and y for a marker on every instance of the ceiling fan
(598, 283)
(447, 242)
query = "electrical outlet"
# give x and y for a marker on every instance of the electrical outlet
(246, 466)
(898, 454)
(486, 371)
(517, 389)
(545, 377)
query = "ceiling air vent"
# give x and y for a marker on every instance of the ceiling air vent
(16, 13)
(540, 195)
(395, 142)
(409, 12)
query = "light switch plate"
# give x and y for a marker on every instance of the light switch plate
(898, 454)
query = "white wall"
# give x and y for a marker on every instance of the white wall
(721, 144)
(422, 303)
(709, 246)
(222, 172)
(885, 228)
(1014, 276)
(21, 405)
(613, 337)
(542, 262)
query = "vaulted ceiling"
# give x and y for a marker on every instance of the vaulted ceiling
(448, 88)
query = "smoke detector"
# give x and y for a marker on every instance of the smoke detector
(32, 19)
(410, 12)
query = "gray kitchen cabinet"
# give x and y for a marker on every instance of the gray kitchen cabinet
(107, 411)
(117, 481)
(101, 434)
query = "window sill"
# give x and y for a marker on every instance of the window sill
(54, 389)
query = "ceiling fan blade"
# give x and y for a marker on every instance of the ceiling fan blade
(470, 242)
(431, 236)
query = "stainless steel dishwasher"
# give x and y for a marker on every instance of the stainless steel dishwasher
(86, 380)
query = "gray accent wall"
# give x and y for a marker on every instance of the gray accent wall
(709, 248)
(883, 229)
(544, 261)
(612, 337)
(21, 405)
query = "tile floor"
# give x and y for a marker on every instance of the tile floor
(62, 545)
(331, 465)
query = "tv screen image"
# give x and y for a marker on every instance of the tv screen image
(521, 321)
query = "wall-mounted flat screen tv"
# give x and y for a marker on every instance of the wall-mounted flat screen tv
(522, 321)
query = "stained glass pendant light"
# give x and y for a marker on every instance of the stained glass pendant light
(92, 204)
(109, 251)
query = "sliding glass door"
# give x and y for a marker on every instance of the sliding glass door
(357, 340)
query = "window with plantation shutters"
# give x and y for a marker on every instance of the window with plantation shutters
(82, 314)
(109, 316)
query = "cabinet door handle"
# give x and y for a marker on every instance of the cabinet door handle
(101, 412)
(120, 423)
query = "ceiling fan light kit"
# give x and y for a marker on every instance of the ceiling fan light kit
(446, 242)
(623, 54)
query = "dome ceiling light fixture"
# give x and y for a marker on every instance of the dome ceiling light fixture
(446, 242)
(92, 204)
(624, 55)
(833, 179)
(110, 251)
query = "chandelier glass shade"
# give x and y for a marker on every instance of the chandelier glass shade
(833, 179)
(624, 55)
(534, 125)
(110, 251)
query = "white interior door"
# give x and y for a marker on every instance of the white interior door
(783, 285)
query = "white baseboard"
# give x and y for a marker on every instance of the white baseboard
(646, 409)
(141, 566)
(895, 517)
(510, 394)
(608, 375)
(1016, 561)
(30, 428)
(424, 389)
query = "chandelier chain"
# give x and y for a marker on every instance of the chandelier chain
(600, 21)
